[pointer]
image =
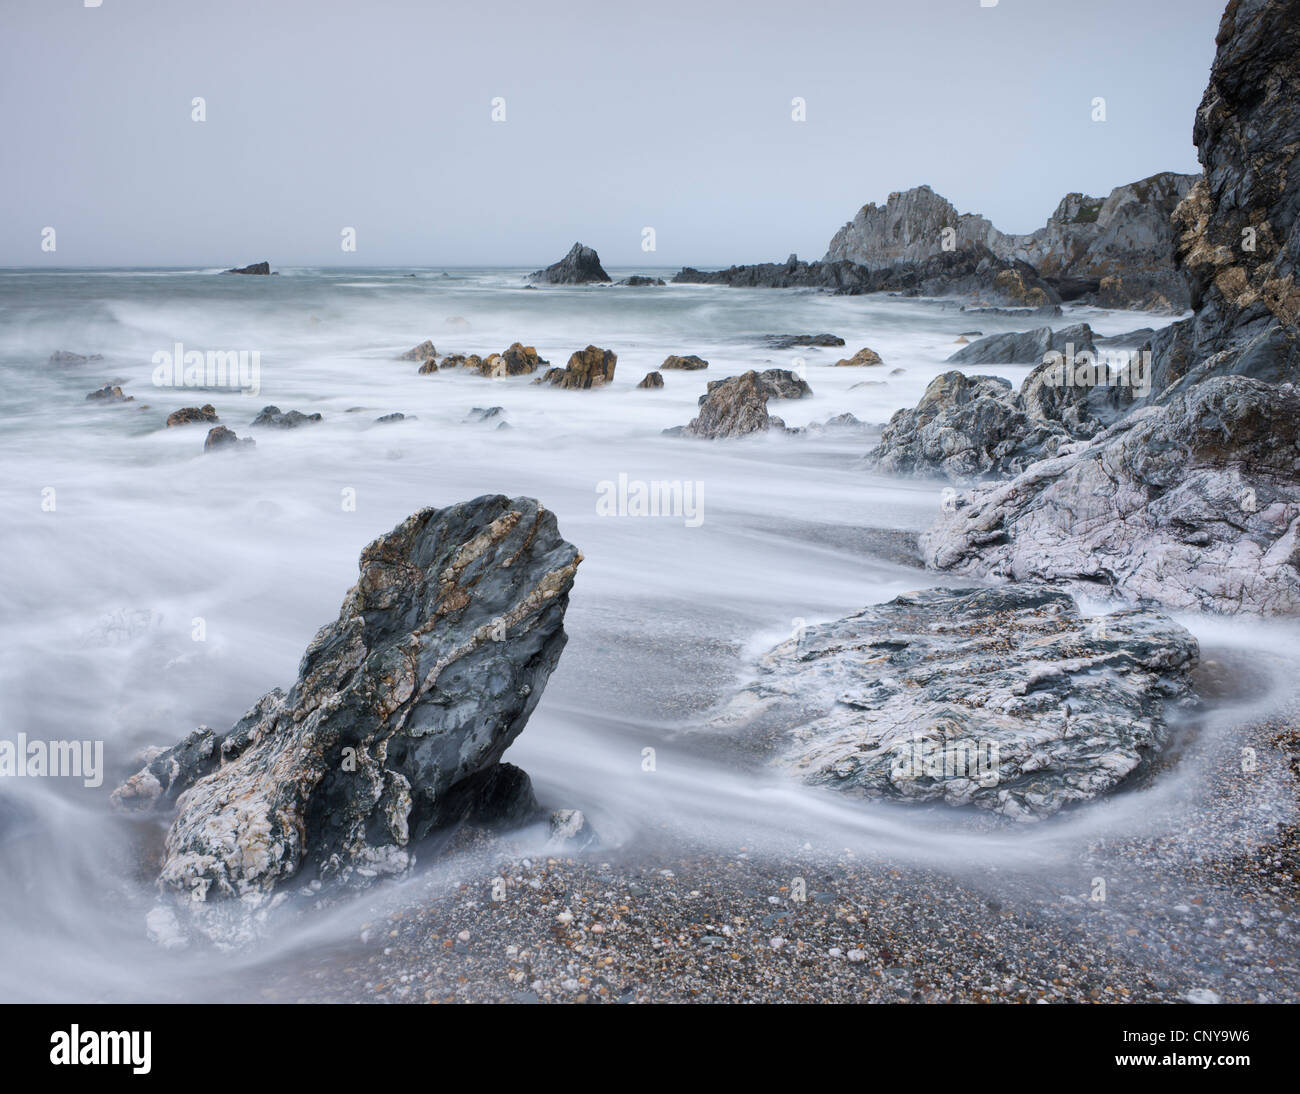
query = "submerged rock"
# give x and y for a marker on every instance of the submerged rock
(790, 341)
(394, 728)
(109, 393)
(190, 414)
(485, 413)
(221, 437)
(638, 281)
(288, 419)
(1004, 698)
(67, 357)
(581, 266)
(587, 368)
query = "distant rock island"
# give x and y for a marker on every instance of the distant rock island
(581, 266)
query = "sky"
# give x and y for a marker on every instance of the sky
(377, 115)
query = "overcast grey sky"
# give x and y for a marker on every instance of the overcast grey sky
(377, 115)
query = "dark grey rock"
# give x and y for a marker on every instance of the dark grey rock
(581, 266)
(254, 268)
(290, 419)
(394, 728)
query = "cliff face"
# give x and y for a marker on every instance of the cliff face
(1119, 249)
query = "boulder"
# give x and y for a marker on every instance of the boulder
(864, 358)
(790, 341)
(393, 730)
(581, 266)
(587, 368)
(737, 405)
(423, 352)
(220, 437)
(690, 363)
(652, 379)
(188, 414)
(518, 360)
(1007, 699)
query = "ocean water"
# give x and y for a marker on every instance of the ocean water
(164, 588)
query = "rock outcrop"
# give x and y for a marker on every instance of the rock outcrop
(518, 360)
(1194, 504)
(581, 266)
(394, 729)
(1006, 699)
(1126, 240)
(253, 268)
(689, 363)
(587, 368)
(651, 380)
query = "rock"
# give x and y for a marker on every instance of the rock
(1005, 699)
(690, 363)
(965, 428)
(423, 352)
(863, 358)
(581, 266)
(1194, 504)
(485, 414)
(221, 437)
(455, 360)
(1127, 236)
(570, 831)
(67, 357)
(396, 416)
(518, 360)
(431, 366)
(1025, 348)
(587, 368)
(652, 379)
(636, 280)
(109, 393)
(273, 416)
(737, 405)
(255, 268)
(395, 727)
(188, 414)
(789, 341)
(839, 423)
(457, 321)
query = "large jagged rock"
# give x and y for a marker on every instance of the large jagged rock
(1194, 504)
(581, 266)
(1004, 698)
(1126, 238)
(1240, 241)
(969, 428)
(253, 268)
(394, 728)
(587, 368)
(737, 405)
